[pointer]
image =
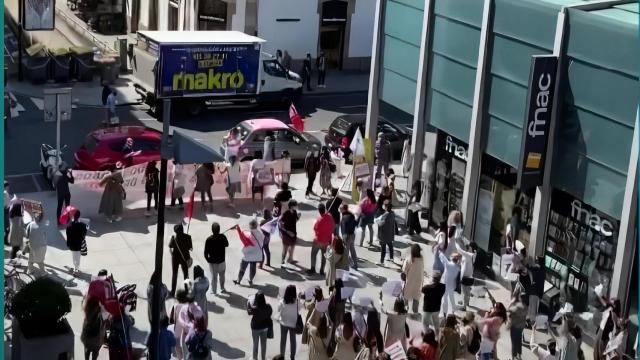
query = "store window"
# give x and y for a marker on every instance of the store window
(448, 182)
(580, 251)
(501, 206)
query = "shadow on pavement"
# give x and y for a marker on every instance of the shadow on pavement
(225, 351)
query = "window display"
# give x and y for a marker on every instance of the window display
(580, 249)
(450, 169)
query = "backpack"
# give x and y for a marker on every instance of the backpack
(474, 344)
(197, 346)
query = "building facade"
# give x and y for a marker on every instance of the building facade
(341, 28)
(532, 111)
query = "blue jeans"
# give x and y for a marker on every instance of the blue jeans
(261, 336)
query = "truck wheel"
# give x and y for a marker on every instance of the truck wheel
(194, 108)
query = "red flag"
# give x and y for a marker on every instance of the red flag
(296, 119)
(246, 241)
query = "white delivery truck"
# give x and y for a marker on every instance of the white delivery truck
(209, 68)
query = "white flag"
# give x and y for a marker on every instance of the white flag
(357, 144)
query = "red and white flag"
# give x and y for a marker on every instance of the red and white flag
(296, 119)
(246, 241)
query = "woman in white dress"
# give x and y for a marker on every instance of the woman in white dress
(413, 275)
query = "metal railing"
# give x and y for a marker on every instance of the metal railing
(84, 29)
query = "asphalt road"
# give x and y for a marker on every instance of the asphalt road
(28, 131)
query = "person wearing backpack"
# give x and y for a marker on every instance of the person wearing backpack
(92, 329)
(151, 186)
(199, 342)
(469, 337)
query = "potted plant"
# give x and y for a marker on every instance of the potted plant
(40, 329)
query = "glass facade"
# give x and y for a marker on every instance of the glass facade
(401, 53)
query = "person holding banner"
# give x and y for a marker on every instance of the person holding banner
(111, 203)
(233, 185)
(251, 252)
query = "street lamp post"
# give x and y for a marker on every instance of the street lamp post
(155, 299)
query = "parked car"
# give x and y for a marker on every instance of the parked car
(253, 132)
(346, 125)
(103, 148)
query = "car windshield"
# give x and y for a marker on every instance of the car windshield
(340, 126)
(91, 143)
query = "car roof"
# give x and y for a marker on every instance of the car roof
(265, 124)
(358, 119)
(124, 132)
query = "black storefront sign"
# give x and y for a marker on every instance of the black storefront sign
(542, 82)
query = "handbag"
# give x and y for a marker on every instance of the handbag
(299, 323)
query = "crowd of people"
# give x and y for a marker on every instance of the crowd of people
(333, 325)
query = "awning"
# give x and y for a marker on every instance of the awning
(188, 150)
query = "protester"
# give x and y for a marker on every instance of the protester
(433, 294)
(261, 322)
(164, 293)
(387, 229)
(367, 214)
(348, 224)
(455, 219)
(517, 315)
(466, 271)
(111, 203)
(76, 242)
(233, 186)
(333, 207)
(204, 181)
(323, 229)
(37, 236)
(319, 340)
(450, 280)
(61, 180)
(321, 65)
(396, 328)
(151, 185)
(337, 306)
(214, 252)
(288, 232)
(288, 313)
(311, 168)
(178, 184)
(282, 196)
(166, 341)
(325, 171)
(306, 72)
(251, 252)
(610, 319)
(199, 341)
(180, 247)
(449, 340)
(232, 144)
(413, 208)
(338, 260)
(373, 339)
(93, 329)
(441, 245)
(199, 289)
(383, 155)
(266, 217)
(269, 153)
(429, 346)
(492, 322)
(183, 300)
(347, 340)
(412, 274)
(469, 337)
(385, 195)
(6, 204)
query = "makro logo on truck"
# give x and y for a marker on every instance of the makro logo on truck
(209, 69)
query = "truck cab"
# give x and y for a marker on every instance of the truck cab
(278, 84)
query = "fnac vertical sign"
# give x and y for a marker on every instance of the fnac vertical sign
(542, 83)
(208, 69)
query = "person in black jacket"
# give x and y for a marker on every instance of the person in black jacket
(151, 185)
(333, 208)
(214, 253)
(61, 180)
(261, 322)
(311, 168)
(180, 247)
(306, 72)
(433, 293)
(348, 224)
(76, 242)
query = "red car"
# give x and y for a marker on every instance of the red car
(105, 147)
